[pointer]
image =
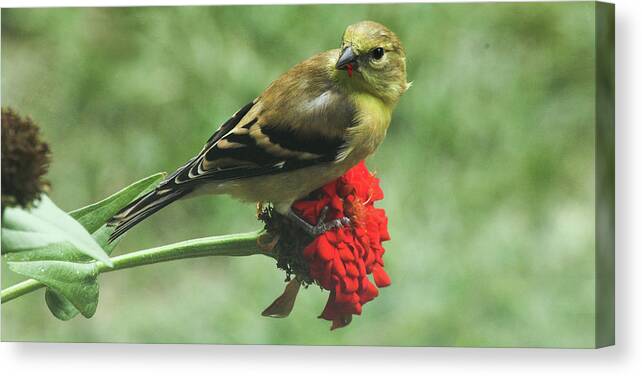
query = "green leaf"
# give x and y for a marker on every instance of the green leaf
(37, 248)
(76, 282)
(93, 216)
(44, 225)
(64, 251)
(60, 306)
(102, 237)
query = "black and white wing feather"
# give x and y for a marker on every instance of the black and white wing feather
(247, 145)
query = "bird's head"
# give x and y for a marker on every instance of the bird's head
(372, 59)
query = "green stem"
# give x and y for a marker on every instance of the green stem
(227, 245)
(20, 289)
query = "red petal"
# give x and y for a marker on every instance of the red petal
(345, 253)
(376, 193)
(362, 267)
(337, 266)
(370, 259)
(327, 275)
(330, 189)
(345, 297)
(350, 284)
(357, 308)
(326, 251)
(368, 291)
(337, 203)
(331, 236)
(380, 276)
(351, 269)
(344, 190)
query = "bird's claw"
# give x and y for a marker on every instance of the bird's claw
(322, 226)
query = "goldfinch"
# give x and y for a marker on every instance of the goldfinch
(312, 124)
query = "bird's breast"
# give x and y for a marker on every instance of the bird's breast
(372, 118)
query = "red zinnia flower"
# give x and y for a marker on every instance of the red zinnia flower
(341, 259)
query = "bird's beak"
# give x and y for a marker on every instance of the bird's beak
(347, 58)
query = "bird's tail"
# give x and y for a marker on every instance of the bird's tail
(142, 208)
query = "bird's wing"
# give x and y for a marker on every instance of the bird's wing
(250, 145)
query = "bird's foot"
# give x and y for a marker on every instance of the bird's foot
(322, 226)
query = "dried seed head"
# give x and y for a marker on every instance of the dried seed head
(25, 160)
(289, 247)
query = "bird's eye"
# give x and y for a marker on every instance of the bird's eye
(377, 53)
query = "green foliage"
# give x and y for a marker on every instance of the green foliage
(48, 230)
(60, 306)
(51, 246)
(93, 217)
(74, 281)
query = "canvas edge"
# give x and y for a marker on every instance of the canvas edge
(604, 174)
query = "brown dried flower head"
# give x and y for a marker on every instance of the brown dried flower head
(25, 160)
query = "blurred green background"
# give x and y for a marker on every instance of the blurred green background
(488, 168)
